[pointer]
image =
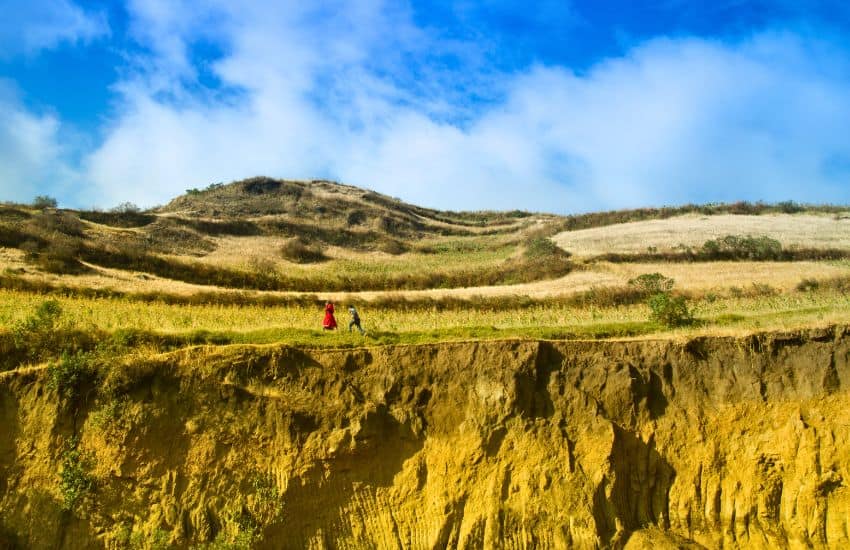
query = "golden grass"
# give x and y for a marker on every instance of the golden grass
(723, 275)
(456, 254)
(302, 324)
(698, 277)
(803, 230)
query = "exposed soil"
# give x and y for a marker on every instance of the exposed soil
(708, 442)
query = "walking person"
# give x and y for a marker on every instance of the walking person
(355, 320)
(329, 323)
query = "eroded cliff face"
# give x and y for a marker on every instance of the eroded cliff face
(714, 442)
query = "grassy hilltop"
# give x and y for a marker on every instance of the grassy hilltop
(254, 260)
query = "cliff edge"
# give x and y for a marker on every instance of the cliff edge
(708, 442)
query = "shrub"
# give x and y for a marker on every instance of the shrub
(118, 219)
(67, 376)
(356, 217)
(652, 283)
(59, 222)
(789, 207)
(38, 336)
(392, 247)
(75, 481)
(60, 256)
(125, 208)
(109, 418)
(300, 251)
(808, 285)
(669, 310)
(44, 201)
(541, 247)
(265, 267)
(737, 247)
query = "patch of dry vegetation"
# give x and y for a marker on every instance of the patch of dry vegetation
(792, 231)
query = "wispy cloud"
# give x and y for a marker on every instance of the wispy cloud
(27, 27)
(314, 94)
(32, 159)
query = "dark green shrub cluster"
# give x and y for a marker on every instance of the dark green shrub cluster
(652, 283)
(391, 246)
(125, 208)
(808, 285)
(68, 376)
(541, 247)
(738, 247)
(732, 248)
(301, 251)
(58, 255)
(840, 284)
(44, 201)
(118, 219)
(665, 308)
(39, 334)
(57, 221)
(221, 227)
(356, 217)
(75, 479)
(669, 310)
(45, 335)
(790, 207)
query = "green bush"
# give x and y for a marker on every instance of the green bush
(125, 208)
(808, 285)
(67, 376)
(44, 201)
(75, 481)
(300, 251)
(789, 207)
(738, 247)
(652, 283)
(38, 334)
(669, 310)
(541, 247)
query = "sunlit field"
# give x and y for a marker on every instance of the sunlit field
(302, 324)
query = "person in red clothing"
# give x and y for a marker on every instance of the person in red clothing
(330, 322)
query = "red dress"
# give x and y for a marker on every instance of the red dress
(330, 322)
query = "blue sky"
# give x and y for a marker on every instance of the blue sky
(563, 106)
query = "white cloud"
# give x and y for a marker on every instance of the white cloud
(27, 27)
(32, 161)
(311, 91)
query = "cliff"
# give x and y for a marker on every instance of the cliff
(709, 442)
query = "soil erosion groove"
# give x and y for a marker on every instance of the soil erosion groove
(733, 442)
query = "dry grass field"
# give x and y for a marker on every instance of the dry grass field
(800, 230)
(222, 261)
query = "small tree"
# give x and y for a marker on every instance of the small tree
(652, 283)
(669, 310)
(44, 201)
(125, 208)
(664, 307)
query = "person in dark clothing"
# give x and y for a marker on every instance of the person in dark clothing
(355, 320)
